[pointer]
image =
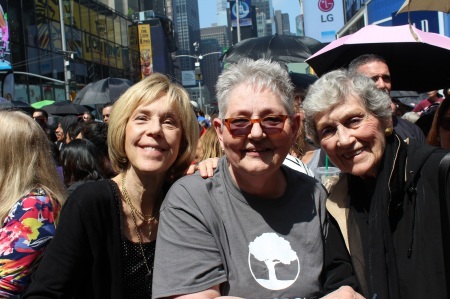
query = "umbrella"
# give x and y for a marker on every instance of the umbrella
(432, 5)
(281, 48)
(415, 64)
(63, 108)
(302, 81)
(407, 98)
(40, 104)
(5, 104)
(102, 92)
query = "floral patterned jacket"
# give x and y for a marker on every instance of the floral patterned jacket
(24, 235)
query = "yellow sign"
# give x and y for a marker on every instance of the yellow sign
(145, 49)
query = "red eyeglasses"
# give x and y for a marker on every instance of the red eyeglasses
(242, 126)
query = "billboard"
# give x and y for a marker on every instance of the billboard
(145, 49)
(5, 60)
(245, 16)
(323, 19)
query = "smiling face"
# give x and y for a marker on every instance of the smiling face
(153, 137)
(352, 137)
(257, 153)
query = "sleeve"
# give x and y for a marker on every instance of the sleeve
(187, 258)
(338, 270)
(60, 270)
(26, 232)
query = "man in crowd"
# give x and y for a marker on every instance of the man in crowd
(433, 98)
(106, 112)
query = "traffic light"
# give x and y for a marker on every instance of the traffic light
(198, 74)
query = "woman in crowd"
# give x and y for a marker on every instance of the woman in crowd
(387, 205)
(208, 146)
(439, 134)
(104, 245)
(31, 195)
(81, 162)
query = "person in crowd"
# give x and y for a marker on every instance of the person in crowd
(41, 117)
(31, 195)
(61, 130)
(97, 133)
(88, 117)
(376, 68)
(410, 116)
(387, 201)
(439, 134)
(257, 228)
(81, 162)
(106, 112)
(208, 146)
(73, 130)
(104, 244)
(433, 98)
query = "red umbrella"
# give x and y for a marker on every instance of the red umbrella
(417, 60)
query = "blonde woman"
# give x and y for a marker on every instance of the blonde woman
(104, 246)
(31, 195)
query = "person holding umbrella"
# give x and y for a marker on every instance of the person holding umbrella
(387, 200)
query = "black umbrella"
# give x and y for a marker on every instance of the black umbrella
(5, 104)
(103, 91)
(281, 48)
(63, 108)
(302, 81)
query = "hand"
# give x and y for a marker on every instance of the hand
(344, 292)
(206, 167)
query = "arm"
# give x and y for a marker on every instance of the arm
(26, 232)
(206, 294)
(65, 262)
(338, 270)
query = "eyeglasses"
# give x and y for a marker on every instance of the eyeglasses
(242, 126)
(385, 78)
(445, 123)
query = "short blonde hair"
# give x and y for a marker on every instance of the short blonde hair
(145, 92)
(26, 161)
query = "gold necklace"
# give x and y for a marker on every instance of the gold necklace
(138, 231)
(145, 218)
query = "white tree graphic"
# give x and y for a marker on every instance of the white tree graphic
(272, 250)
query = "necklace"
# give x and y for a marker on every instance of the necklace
(138, 231)
(145, 218)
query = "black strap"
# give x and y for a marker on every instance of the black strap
(444, 167)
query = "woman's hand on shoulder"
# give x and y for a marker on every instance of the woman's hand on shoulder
(206, 167)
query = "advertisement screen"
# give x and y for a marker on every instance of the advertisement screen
(245, 16)
(5, 60)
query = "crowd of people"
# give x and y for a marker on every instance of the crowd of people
(111, 209)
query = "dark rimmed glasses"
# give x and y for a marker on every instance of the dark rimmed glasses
(445, 123)
(242, 126)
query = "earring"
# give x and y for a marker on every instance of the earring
(388, 132)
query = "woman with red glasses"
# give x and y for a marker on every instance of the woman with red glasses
(256, 229)
(439, 134)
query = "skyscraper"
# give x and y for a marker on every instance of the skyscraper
(265, 6)
(222, 14)
(187, 27)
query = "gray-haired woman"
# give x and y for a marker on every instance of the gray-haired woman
(388, 201)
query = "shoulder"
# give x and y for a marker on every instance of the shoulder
(298, 165)
(97, 194)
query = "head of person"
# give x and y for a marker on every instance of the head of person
(26, 162)
(432, 95)
(350, 118)
(88, 117)
(79, 161)
(208, 146)
(439, 134)
(153, 128)
(256, 124)
(41, 117)
(63, 125)
(106, 111)
(73, 130)
(374, 67)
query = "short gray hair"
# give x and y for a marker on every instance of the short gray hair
(333, 88)
(257, 73)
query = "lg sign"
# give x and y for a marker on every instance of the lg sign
(326, 5)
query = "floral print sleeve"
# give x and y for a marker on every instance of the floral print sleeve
(24, 235)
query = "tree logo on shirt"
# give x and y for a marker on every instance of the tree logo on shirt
(272, 262)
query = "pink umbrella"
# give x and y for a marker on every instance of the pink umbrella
(417, 60)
